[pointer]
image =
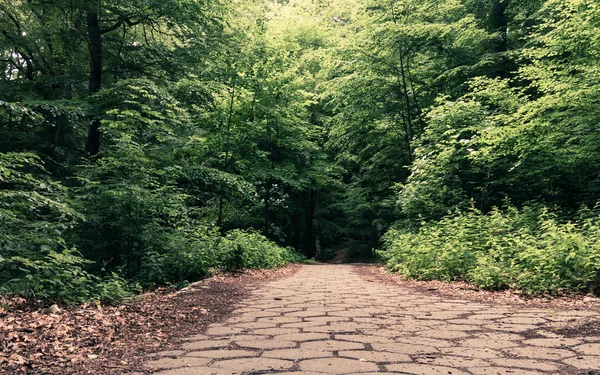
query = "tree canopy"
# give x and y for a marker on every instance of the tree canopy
(150, 142)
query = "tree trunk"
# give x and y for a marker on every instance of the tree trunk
(92, 146)
(499, 24)
(310, 249)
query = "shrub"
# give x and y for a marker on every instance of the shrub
(248, 249)
(528, 249)
(193, 252)
(60, 276)
(35, 261)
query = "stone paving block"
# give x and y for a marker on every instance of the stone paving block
(169, 363)
(328, 319)
(331, 345)
(486, 343)
(522, 320)
(254, 364)
(302, 324)
(310, 313)
(507, 327)
(502, 371)
(587, 362)
(441, 334)
(472, 352)
(362, 338)
(279, 319)
(461, 327)
(402, 348)
(337, 365)
(254, 325)
(223, 330)
(208, 344)
(454, 361)
(265, 344)
(221, 354)
(196, 337)
(589, 349)
(275, 331)
(423, 369)
(305, 336)
(297, 353)
(416, 340)
(373, 356)
(539, 352)
(169, 353)
(197, 371)
(524, 363)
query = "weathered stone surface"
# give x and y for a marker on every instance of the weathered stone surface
(169, 353)
(524, 363)
(587, 362)
(540, 352)
(297, 353)
(197, 371)
(327, 319)
(337, 365)
(168, 363)
(254, 364)
(331, 345)
(553, 342)
(403, 348)
(502, 371)
(265, 344)
(208, 344)
(374, 356)
(220, 354)
(589, 349)
(423, 369)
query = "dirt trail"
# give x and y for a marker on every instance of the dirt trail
(330, 319)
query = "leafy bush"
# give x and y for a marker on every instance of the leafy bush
(60, 276)
(35, 261)
(246, 249)
(527, 249)
(189, 255)
(194, 251)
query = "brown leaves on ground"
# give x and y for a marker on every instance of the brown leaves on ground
(463, 290)
(94, 339)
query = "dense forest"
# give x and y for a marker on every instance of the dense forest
(149, 142)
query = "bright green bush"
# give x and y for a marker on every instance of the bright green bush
(529, 250)
(247, 249)
(193, 252)
(60, 276)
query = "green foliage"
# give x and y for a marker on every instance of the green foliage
(530, 250)
(189, 254)
(247, 249)
(35, 261)
(60, 276)
(198, 250)
(208, 125)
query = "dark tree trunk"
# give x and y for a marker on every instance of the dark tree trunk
(310, 249)
(92, 146)
(499, 24)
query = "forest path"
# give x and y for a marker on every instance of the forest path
(331, 319)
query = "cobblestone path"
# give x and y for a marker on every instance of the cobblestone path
(329, 319)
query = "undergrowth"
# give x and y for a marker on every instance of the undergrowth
(529, 249)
